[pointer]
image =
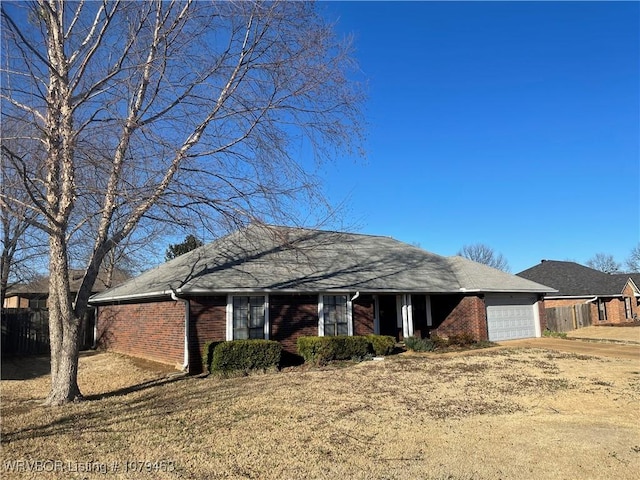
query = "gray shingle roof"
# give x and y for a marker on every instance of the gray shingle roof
(573, 279)
(286, 259)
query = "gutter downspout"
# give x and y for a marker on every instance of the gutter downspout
(355, 296)
(94, 344)
(174, 296)
(591, 300)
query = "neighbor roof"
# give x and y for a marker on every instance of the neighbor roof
(284, 259)
(573, 279)
(40, 286)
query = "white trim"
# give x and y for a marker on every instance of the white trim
(536, 318)
(427, 301)
(267, 324)
(229, 317)
(572, 297)
(399, 319)
(321, 312)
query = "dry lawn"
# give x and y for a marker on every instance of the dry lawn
(495, 414)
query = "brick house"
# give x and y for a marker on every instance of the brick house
(281, 283)
(614, 298)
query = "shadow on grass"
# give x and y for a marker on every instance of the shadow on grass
(25, 368)
(124, 407)
(31, 366)
(139, 387)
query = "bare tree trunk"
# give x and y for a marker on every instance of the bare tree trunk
(63, 328)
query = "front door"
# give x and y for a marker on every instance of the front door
(388, 316)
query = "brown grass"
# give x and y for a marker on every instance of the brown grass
(491, 414)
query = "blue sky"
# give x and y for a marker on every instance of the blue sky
(514, 124)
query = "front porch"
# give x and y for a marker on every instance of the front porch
(422, 315)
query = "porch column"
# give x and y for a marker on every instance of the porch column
(406, 311)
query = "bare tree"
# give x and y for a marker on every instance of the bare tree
(23, 246)
(167, 111)
(633, 260)
(484, 254)
(604, 262)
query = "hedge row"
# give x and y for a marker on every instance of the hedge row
(322, 350)
(241, 356)
(247, 355)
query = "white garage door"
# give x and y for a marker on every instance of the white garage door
(511, 316)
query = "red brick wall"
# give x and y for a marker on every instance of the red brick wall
(635, 307)
(363, 313)
(457, 314)
(565, 302)
(152, 330)
(615, 310)
(292, 316)
(208, 322)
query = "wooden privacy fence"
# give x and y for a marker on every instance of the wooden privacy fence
(565, 319)
(26, 332)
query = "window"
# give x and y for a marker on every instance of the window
(335, 315)
(602, 311)
(249, 317)
(38, 303)
(628, 313)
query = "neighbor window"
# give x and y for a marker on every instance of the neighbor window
(602, 311)
(628, 313)
(249, 317)
(335, 315)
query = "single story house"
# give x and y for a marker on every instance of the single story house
(281, 283)
(614, 298)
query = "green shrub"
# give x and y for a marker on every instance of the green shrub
(419, 344)
(461, 340)
(439, 342)
(381, 345)
(551, 333)
(207, 354)
(322, 350)
(246, 355)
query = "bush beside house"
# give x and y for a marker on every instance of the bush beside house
(322, 350)
(242, 356)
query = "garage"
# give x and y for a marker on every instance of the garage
(512, 316)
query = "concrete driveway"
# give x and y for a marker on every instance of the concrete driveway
(607, 334)
(605, 341)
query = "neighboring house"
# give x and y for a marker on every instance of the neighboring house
(26, 318)
(614, 298)
(281, 283)
(34, 295)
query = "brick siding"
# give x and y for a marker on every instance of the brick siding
(155, 330)
(208, 322)
(292, 316)
(151, 330)
(363, 313)
(457, 314)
